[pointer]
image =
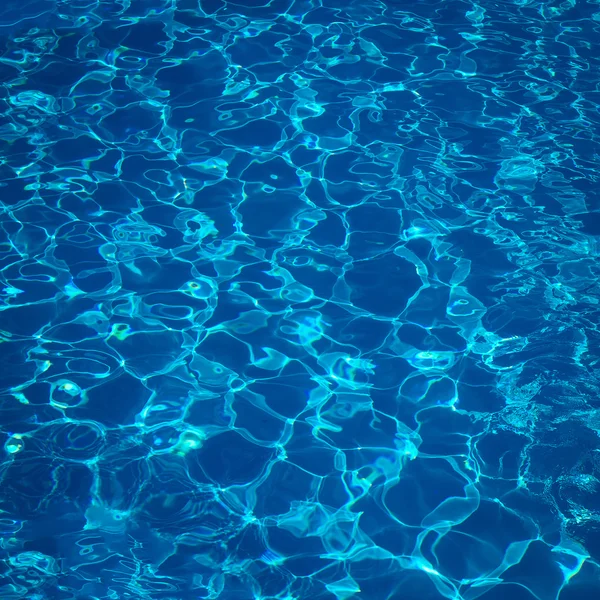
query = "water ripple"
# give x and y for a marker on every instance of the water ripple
(299, 299)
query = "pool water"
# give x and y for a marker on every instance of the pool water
(299, 300)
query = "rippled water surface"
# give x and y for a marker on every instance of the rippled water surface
(299, 300)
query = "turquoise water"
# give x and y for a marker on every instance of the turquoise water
(299, 300)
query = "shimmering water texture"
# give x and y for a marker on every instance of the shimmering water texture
(300, 300)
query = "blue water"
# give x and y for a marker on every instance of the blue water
(299, 300)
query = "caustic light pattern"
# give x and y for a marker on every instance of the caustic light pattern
(299, 300)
